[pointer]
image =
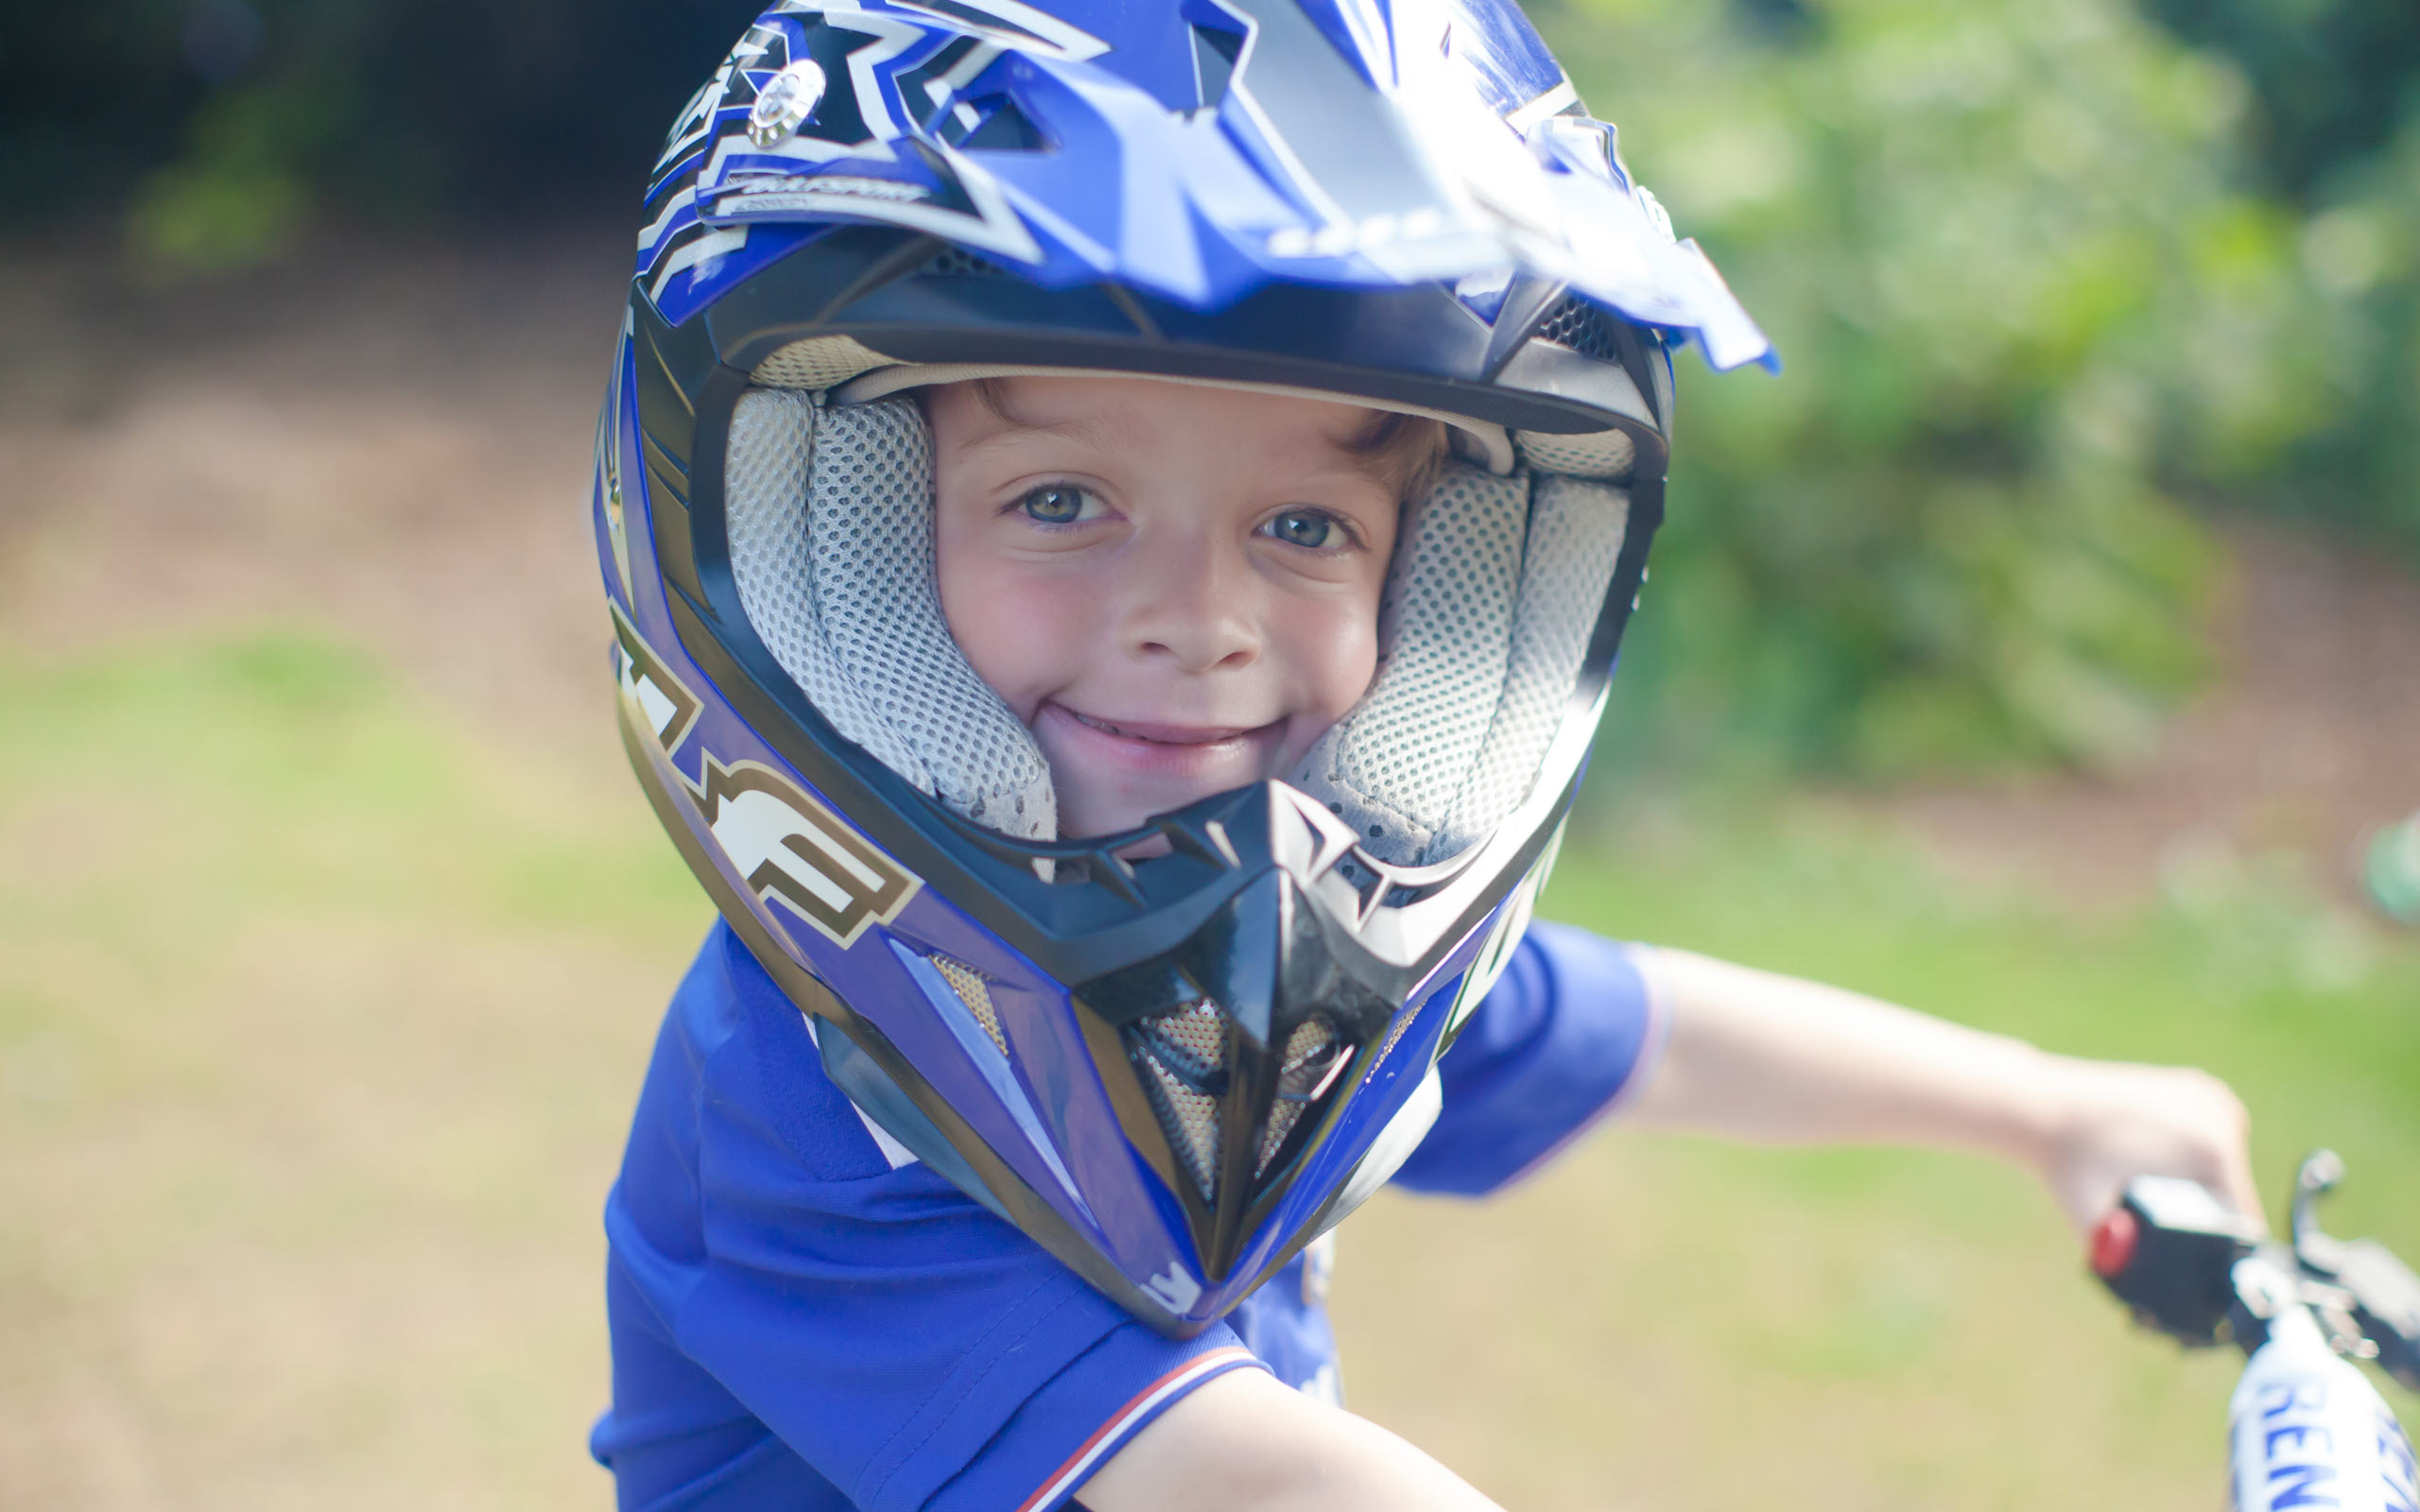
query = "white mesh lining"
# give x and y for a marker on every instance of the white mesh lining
(1393, 766)
(976, 993)
(1478, 672)
(1496, 590)
(1604, 454)
(842, 595)
(1576, 532)
(817, 362)
(1192, 1039)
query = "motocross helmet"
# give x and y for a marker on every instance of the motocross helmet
(1174, 1072)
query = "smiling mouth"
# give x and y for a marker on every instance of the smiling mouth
(1162, 734)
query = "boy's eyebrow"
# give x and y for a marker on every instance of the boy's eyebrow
(992, 393)
(1075, 427)
(1404, 452)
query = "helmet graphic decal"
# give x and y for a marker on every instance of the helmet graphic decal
(793, 848)
(1248, 140)
(786, 844)
(1024, 27)
(662, 700)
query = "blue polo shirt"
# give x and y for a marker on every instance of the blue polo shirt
(798, 1324)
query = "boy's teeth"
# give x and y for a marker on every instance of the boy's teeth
(1181, 735)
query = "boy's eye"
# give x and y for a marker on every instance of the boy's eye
(1059, 504)
(1313, 529)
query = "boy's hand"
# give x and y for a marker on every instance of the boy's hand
(2118, 1121)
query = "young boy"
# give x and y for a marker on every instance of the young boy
(1123, 691)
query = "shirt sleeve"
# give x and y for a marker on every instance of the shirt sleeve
(911, 1349)
(1572, 1028)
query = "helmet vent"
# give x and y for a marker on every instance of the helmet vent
(975, 992)
(993, 124)
(1216, 52)
(1183, 1057)
(1315, 1056)
(1582, 328)
(956, 262)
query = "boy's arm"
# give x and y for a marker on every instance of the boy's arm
(1769, 1057)
(1243, 1441)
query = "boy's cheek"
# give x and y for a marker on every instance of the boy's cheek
(1013, 626)
(1334, 649)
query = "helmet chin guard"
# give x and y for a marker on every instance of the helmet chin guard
(1171, 1071)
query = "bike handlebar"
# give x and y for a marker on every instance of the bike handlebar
(2177, 1257)
(2309, 1431)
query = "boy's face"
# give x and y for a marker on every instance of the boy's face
(1175, 588)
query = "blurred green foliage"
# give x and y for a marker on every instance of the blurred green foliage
(2351, 349)
(2332, 130)
(2030, 296)
(2041, 268)
(2328, 78)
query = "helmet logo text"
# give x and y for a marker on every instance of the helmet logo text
(789, 845)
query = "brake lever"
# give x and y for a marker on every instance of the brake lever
(2317, 1177)
(2377, 1292)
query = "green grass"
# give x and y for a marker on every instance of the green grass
(319, 1022)
(319, 1028)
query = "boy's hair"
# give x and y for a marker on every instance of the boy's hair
(1404, 452)
(1407, 452)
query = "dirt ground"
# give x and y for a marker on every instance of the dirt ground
(396, 440)
(2306, 739)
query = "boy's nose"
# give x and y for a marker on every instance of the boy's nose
(1191, 601)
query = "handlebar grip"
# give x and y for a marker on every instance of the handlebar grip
(2168, 1251)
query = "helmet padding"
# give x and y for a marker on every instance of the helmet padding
(1497, 587)
(830, 513)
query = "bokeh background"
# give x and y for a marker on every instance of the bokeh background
(2037, 649)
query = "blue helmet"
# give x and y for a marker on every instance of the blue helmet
(1174, 1072)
